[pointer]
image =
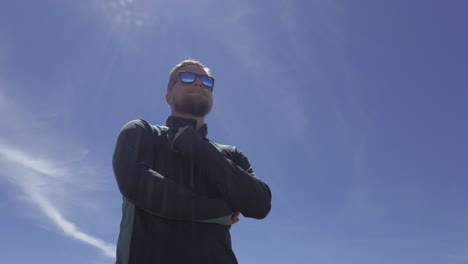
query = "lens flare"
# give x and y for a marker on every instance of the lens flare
(124, 14)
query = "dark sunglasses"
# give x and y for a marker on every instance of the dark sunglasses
(190, 77)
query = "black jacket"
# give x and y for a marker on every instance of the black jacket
(179, 195)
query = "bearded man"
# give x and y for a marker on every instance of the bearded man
(181, 191)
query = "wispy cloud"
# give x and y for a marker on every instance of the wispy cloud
(37, 165)
(460, 258)
(244, 38)
(41, 177)
(33, 186)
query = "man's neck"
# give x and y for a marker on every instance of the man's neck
(200, 120)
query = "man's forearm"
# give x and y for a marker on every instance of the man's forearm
(241, 189)
(152, 191)
(247, 193)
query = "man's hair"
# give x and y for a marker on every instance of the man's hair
(175, 70)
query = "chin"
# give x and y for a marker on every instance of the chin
(194, 105)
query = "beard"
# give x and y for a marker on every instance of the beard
(193, 105)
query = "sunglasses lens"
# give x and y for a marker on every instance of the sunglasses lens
(187, 77)
(207, 81)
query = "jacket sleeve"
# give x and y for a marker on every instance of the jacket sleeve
(151, 191)
(235, 179)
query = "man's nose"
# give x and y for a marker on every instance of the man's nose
(197, 81)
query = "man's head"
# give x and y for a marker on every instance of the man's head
(192, 98)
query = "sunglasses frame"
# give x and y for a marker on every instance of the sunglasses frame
(196, 76)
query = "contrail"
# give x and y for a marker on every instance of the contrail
(46, 168)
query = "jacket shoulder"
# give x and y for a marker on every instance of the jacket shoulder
(229, 151)
(234, 154)
(142, 125)
(224, 146)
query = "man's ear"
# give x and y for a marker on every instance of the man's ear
(169, 97)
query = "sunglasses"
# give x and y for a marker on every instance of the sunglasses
(190, 77)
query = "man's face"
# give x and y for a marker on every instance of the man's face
(190, 98)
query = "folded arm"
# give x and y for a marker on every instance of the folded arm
(150, 190)
(234, 177)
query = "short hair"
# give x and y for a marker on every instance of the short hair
(175, 70)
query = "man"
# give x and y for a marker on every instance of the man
(182, 192)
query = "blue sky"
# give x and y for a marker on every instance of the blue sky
(353, 113)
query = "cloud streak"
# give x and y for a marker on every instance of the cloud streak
(40, 166)
(44, 178)
(43, 169)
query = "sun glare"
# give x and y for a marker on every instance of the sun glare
(126, 14)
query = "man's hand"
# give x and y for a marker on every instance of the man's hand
(186, 141)
(179, 132)
(235, 218)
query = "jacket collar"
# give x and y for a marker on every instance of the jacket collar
(175, 122)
